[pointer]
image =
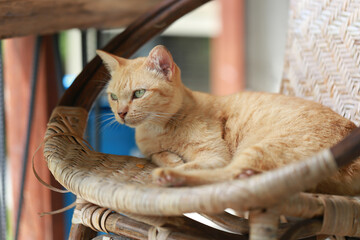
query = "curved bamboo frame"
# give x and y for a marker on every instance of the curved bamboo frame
(121, 183)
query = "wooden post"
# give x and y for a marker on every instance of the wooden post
(18, 62)
(227, 61)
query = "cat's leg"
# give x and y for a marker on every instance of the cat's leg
(212, 158)
(206, 162)
(167, 159)
(207, 157)
(168, 175)
(175, 177)
(246, 163)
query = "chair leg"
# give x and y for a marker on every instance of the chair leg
(263, 224)
(81, 232)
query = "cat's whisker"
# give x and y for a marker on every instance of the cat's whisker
(108, 119)
(104, 118)
(110, 124)
(114, 124)
(104, 124)
(106, 115)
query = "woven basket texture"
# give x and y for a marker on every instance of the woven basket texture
(323, 54)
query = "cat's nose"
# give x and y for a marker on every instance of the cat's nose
(122, 114)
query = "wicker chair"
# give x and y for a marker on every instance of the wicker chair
(322, 63)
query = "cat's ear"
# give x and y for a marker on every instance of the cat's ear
(111, 61)
(161, 61)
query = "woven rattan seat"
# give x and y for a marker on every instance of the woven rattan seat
(321, 63)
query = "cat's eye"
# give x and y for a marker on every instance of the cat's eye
(139, 93)
(113, 97)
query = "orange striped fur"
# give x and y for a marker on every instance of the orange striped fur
(197, 138)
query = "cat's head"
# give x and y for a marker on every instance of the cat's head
(143, 90)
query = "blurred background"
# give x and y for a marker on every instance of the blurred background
(223, 47)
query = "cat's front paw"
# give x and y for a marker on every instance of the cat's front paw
(167, 177)
(246, 173)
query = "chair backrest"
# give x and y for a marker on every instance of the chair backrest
(322, 59)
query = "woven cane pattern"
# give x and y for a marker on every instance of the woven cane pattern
(323, 54)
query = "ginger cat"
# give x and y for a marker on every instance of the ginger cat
(197, 138)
